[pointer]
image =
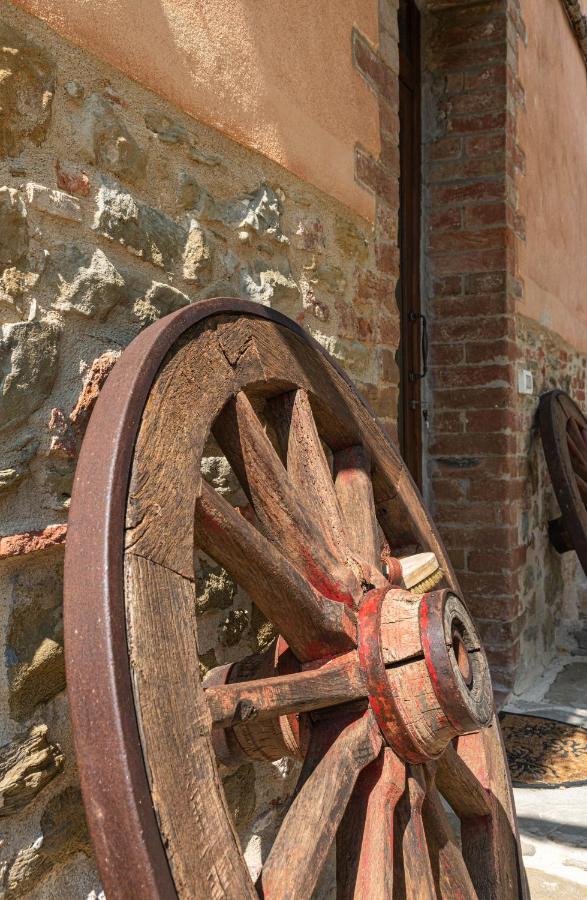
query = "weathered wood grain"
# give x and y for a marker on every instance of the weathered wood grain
(331, 768)
(491, 844)
(313, 626)
(308, 468)
(457, 784)
(364, 843)
(352, 479)
(283, 512)
(448, 867)
(336, 681)
(413, 879)
(175, 724)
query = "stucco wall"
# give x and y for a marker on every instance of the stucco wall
(552, 131)
(277, 77)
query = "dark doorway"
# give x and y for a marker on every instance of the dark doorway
(413, 343)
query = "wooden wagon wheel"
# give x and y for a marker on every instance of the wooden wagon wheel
(563, 429)
(384, 693)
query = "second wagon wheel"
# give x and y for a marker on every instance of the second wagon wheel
(563, 429)
(382, 691)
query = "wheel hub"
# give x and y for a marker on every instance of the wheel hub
(427, 675)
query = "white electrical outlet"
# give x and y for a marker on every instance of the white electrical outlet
(525, 382)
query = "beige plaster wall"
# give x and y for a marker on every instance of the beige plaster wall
(275, 76)
(553, 193)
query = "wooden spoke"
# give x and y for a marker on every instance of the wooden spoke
(364, 843)
(307, 466)
(313, 626)
(457, 783)
(332, 765)
(337, 681)
(281, 510)
(412, 880)
(355, 494)
(490, 844)
(451, 876)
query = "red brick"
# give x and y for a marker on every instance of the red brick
(490, 444)
(27, 542)
(485, 214)
(445, 148)
(370, 173)
(490, 420)
(482, 604)
(493, 538)
(446, 58)
(501, 634)
(449, 217)
(455, 241)
(473, 376)
(458, 169)
(453, 31)
(492, 351)
(446, 355)
(472, 261)
(451, 422)
(480, 328)
(381, 77)
(450, 286)
(485, 282)
(387, 258)
(489, 76)
(496, 584)
(476, 103)
(510, 489)
(474, 514)
(487, 561)
(474, 398)
(473, 124)
(461, 193)
(447, 489)
(485, 144)
(473, 306)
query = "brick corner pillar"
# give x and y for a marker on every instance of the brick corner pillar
(379, 67)
(471, 222)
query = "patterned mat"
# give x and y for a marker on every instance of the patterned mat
(544, 753)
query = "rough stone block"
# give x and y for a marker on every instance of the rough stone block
(27, 764)
(53, 202)
(28, 366)
(108, 143)
(14, 233)
(143, 230)
(94, 291)
(197, 254)
(63, 833)
(258, 212)
(160, 300)
(26, 91)
(34, 652)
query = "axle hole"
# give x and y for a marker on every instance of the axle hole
(462, 658)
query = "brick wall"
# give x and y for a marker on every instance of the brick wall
(380, 68)
(489, 489)
(471, 161)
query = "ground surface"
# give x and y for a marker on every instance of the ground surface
(553, 821)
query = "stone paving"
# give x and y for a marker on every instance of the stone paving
(553, 821)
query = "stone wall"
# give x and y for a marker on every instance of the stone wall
(116, 209)
(552, 587)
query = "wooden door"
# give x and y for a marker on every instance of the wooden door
(413, 344)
